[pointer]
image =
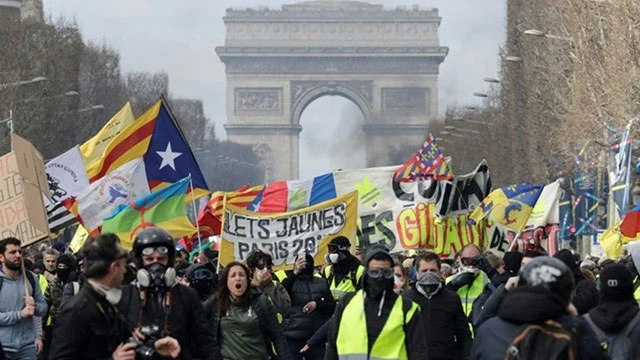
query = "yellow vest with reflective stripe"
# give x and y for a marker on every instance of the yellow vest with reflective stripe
(636, 293)
(352, 342)
(469, 293)
(346, 285)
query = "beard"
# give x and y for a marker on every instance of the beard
(15, 266)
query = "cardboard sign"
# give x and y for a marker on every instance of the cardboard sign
(289, 234)
(22, 183)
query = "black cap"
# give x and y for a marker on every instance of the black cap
(340, 241)
(512, 261)
(616, 283)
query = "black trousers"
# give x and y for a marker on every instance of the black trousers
(315, 353)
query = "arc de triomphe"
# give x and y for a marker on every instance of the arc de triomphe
(279, 61)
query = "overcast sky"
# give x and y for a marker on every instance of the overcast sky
(179, 37)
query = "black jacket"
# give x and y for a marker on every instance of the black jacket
(524, 305)
(186, 321)
(271, 329)
(446, 326)
(414, 329)
(297, 324)
(88, 327)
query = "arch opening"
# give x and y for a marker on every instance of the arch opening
(332, 136)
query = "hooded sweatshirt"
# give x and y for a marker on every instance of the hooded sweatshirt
(15, 331)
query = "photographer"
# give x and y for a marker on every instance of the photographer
(89, 325)
(157, 305)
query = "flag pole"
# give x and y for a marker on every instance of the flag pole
(518, 234)
(222, 221)
(195, 211)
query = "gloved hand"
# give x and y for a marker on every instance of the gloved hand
(460, 280)
(482, 263)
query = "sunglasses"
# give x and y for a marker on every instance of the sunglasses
(262, 266)
(376, 273)
(468, 261)
(148, 251)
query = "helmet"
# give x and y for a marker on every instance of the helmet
(549, 273)
(153, 237)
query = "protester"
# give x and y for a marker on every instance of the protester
(73, 286)
(202, 278)
(158, 302)
(311, 306)
(512, 260)
(89, 326)
(262, 278)
(401, 278)
(542, 297)
(586, 294)
(447, 333)
(344, 271)
(617, 314)
(475, 272)
(50, 259)
(17, 305)
(65, 264)
(243, 320)
(365, 321)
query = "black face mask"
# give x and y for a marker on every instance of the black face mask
(375, 287)
(63, 274)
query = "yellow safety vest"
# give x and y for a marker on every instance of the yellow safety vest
(469, 294)
(352, 342)
(347, 283)
(636, 293)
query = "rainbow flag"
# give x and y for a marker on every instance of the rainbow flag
(164, 208)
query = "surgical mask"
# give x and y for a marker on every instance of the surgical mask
(112, 295)
(397, 284)
(334, 258)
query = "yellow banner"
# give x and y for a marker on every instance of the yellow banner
(93, 149)
(286, 235)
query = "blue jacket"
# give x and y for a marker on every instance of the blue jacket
(16, 332)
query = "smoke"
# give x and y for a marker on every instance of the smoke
(332, 137)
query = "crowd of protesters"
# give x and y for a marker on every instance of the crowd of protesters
(156, 302)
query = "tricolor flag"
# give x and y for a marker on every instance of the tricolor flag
(428, 163)
(283, 196)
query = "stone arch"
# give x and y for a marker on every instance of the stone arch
(359, 96)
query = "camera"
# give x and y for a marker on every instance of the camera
(145, 349)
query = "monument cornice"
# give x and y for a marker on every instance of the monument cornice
(297, 51)
(249, 129)
(395, 129)
(319, 15)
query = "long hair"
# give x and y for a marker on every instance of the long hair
(222, 298)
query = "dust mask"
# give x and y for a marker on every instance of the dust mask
(112, 295)
(334, 258)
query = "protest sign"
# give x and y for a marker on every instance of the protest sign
(22, 183)
(416, 215)
(286, 235)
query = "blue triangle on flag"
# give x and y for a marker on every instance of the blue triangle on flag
(169, 158)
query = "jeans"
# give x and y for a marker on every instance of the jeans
(314, 353)
(25, 353)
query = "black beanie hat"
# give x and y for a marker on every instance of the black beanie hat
(616, 283)
(512, 261)
(567, 258)
(341, 241)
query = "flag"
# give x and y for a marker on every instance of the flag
(510, 206)
(283, 196)
(210, 217)
(611, 241)
(630, 225)
(169, 157)
(427, 163)
(121, 186)
(132, 142)
(619, 174)
(78, 239)
(93, 149)
(66, 177)
(163, 208)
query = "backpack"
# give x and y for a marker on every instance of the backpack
(549, 341)
(619, 346)
(30, 278)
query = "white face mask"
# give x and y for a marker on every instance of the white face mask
(333, 258)
(112, 295)
(471, 269)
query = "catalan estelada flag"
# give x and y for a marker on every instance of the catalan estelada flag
(169, 157)
(510, 206)
(427, 163)
(164, 208)
(94, 149)
(130, 143)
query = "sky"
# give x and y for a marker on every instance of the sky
(179, 38)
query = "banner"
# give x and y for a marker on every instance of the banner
(424, 214)
(285, 235)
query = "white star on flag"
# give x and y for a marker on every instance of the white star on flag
(168, 157)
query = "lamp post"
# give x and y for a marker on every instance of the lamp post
(91, 108)
(35, 80)
(538, 33)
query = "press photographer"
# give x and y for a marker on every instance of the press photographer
(157, 305)
(89, 326)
